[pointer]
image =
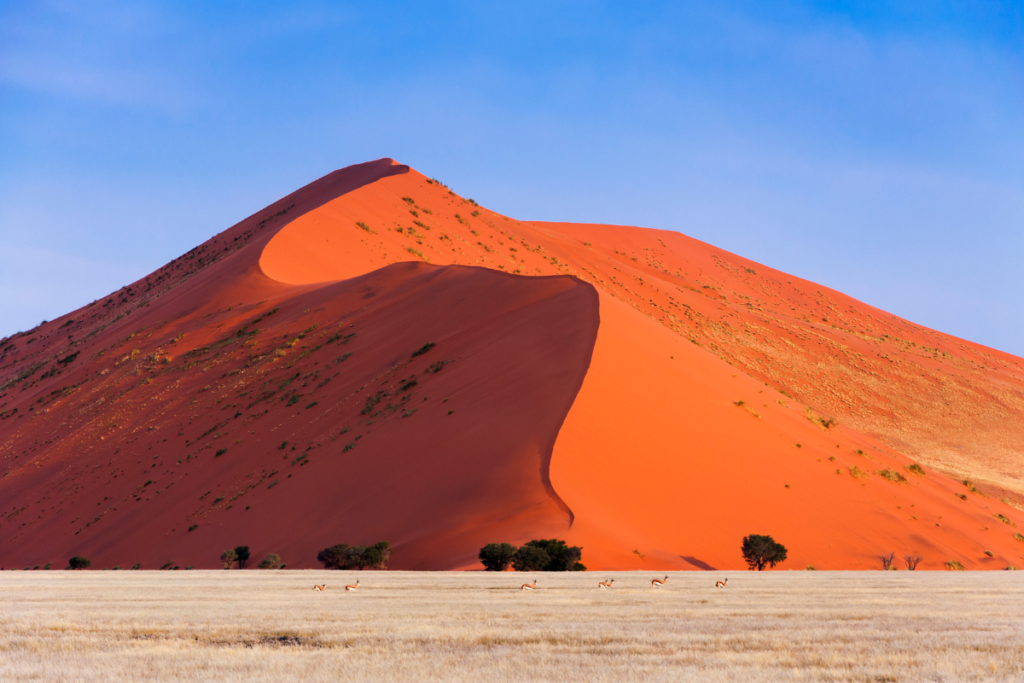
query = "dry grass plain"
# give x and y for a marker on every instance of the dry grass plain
(474, 626)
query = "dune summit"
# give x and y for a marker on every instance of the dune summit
(375, 357)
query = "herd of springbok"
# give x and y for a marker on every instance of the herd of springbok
(655, 583)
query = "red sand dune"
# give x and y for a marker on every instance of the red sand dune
(645, 399)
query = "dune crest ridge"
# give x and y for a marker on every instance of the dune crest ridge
(643, 394)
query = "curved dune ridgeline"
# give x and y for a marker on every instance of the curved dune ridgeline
(641, 394)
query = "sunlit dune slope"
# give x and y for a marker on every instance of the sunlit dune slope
(949, 403)
(685, 376)
(670, 456)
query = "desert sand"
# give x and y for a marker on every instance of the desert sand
(642, 394)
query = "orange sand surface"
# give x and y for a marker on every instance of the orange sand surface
(685, 376)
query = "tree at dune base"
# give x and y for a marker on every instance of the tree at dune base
(271, 561)
(543, 555)
(761, 551)
(345, 556)
(497, 557)
(79, 562)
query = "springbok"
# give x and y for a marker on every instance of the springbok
(318, 587)
(352, 587)
(721, 584)
(529, 586)
(658, 583)
(606, 584)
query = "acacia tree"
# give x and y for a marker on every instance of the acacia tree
(887, 561)
(271, 561)
(912, 561)
(241, 555)
(530, 558)
(496, 557)
(761, 551)
(79, 562)
(377, 555)
(333, 557)
(561, 556)
(228, 558)
(344, 556)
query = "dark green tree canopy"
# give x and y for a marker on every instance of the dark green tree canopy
(546, 555)
(79, 562)
(759, 551)
(377, 555)
(242, 555)
(530, 558)
(271, 561)
(345, 556)
(333, 557)
(496, 557)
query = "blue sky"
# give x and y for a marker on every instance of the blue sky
(877, 151)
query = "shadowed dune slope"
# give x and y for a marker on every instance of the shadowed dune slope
(722, 398)
(209, 405)
(305, 420)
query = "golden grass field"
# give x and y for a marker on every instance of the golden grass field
(474, 626)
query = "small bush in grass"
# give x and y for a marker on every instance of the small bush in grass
(761, 551)
(1005, 520)
(989, 553)
(892, 475)
(136, 566)
(220, 452)
(423, 349)
(367, 228)
(857, 473)
(371, 401)
(79, 562)
(497, 557)
(916, 469)
(824, 423)
(1019, 537)
(193, 527)
(271, 561)
(955, 566)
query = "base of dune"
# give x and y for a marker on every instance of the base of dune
(271, 625)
